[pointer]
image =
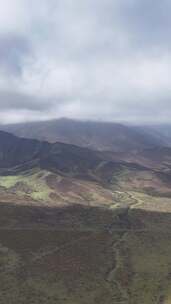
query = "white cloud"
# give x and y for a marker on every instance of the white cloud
(91, 59)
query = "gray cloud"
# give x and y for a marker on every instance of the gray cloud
(148, 22)
(13, 50)
(101, 59)
(20, 101)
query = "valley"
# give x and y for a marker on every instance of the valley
(82, 254)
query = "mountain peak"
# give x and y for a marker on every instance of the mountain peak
(101, 136)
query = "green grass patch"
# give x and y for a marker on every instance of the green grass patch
(34, 182)
(9, 181)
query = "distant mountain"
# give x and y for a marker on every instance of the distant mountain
(94, 135)
(161, 133)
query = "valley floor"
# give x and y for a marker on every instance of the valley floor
(86, 255)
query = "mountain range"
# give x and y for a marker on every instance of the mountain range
(85, 214)
(100, 136)
(147, 170)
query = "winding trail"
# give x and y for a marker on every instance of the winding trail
(111, 275)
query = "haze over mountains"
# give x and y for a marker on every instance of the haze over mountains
(161, 132)
(94, 135)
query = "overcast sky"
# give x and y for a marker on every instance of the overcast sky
(88, 59)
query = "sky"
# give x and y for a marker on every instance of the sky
(104, 60)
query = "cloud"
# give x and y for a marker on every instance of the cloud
(101, 59)
(13, 50)
(19, 101)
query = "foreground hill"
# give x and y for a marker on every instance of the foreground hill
(94, 135)
(83, 255)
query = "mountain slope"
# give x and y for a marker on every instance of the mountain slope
(161, 133)
(15, 151)
(61, 173)
(95, 135)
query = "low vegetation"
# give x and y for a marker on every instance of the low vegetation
(31, 183)
(87, 256)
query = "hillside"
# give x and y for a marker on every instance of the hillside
(161, 132)
(61, 170)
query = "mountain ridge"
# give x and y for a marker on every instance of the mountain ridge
(63, 168)
(101, 136)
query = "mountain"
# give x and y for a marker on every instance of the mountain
(83, 226)
(160, 132)
(20, 153)
(100, 136)
(63, 165)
